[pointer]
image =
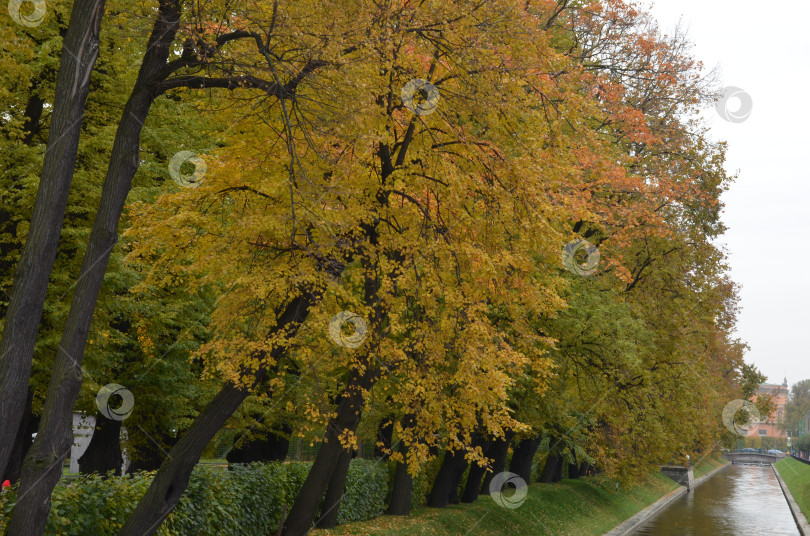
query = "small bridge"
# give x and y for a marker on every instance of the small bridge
(753, 457)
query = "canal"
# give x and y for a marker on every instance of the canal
(740, 500)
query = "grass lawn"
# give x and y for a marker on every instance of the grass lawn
(586, 506)
(797, 478)
(707, 465)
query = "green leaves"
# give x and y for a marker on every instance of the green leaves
(242, 501)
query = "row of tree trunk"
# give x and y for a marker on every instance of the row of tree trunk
(447, 482)
(103, 455)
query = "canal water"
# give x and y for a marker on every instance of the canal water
(740, 500)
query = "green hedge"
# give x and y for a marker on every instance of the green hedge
(247, 500)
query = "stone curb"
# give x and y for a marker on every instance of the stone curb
(629, 526)
(798, 515)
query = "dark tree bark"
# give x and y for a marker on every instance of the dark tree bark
(305, 507)
(573, 469)
(385, 431)
(269, 449)
(172, 477)
(400, 504)
(24, 312)
(558, 469)
(473, 485)
(552, 471)
(498, 452)
(42, 469)
(334, 493)
(349, 410)
(446, 483)
(523, 456)
(456, 484)
(476, 473)
(22, 442)
(103, 454)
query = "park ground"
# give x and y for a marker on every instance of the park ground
(585, 506)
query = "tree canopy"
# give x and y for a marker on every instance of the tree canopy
(464, 222)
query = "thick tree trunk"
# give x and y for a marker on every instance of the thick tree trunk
(302, 515)
(573, 469)
(24, 312)
(498, 452)
(22, 442)
(445, 485)
(103, 454)
(456, 484)
(473, 484)
(552, 471)
(305, 508)
(361, 379)
(334, 493)
(558, 469)
(476, 474)
(523, 456)
(400, 504)
(42, 468)
(172, 477)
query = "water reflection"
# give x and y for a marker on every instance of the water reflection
(740, 500)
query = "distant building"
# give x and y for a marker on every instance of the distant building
(772, 425)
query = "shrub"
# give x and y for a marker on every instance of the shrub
(366, 491)
(245, 501)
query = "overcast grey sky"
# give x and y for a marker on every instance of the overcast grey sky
(762, 51)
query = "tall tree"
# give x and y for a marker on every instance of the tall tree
(797, 406)
(24, 311)
(41, 471)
